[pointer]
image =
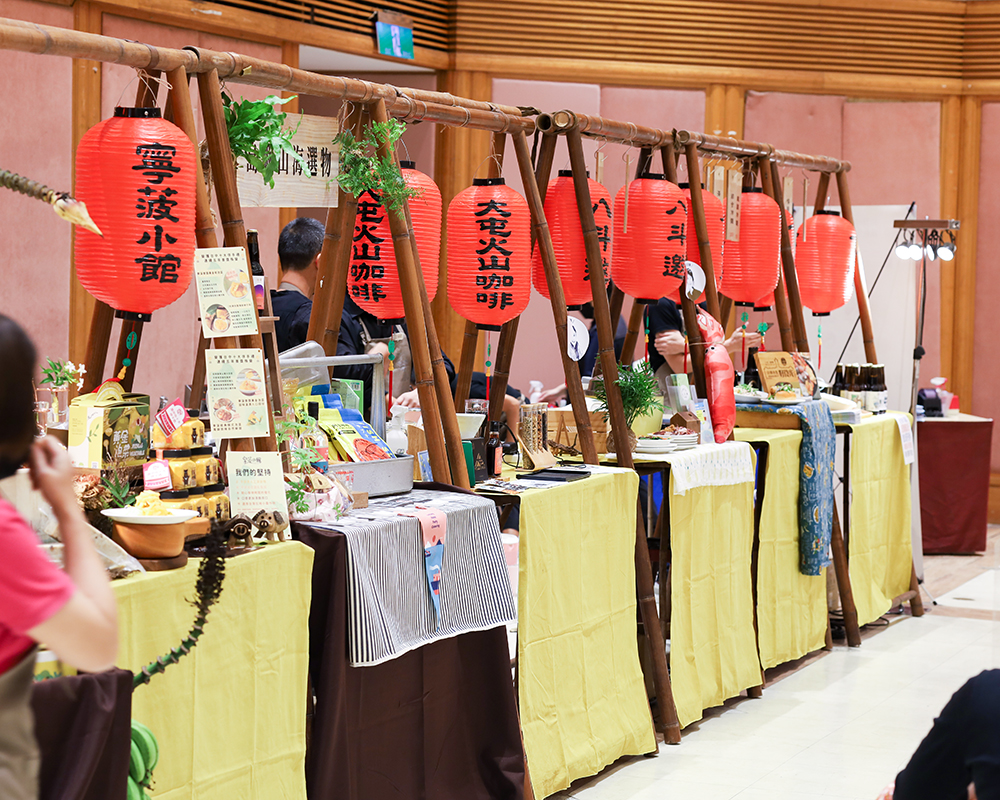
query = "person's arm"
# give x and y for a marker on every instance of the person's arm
(84, 632)
(740, 342)
(671, 345)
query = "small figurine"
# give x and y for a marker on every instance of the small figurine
(240, 531)
(272, 524)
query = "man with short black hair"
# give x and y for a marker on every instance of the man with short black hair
(299, 247)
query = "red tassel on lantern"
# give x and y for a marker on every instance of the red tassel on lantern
(563, 218)
(824, 262)
(373, 279)
(760, 250)
(489, 253)
(715, 220)
(136, 173)
(648, 258)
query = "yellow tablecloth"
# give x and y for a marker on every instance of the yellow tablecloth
(713, 655)
(880, 549)
(791, 607)
(229, 717)
(581, 694)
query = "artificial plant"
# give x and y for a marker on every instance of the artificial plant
(257, 133)
(363, 170)
(639, 390)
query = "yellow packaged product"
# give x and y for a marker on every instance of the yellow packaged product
(183, 474)
(196, 496)
(206, 466)
(218, 502)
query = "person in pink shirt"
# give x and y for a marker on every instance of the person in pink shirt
(73, 612)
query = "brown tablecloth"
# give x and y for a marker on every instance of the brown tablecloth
(439, 722)
(84, 728)
(954, 482)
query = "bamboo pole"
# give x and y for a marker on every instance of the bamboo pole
(860, 284)
(444, 442)
(822, 189)
(780, 301)
(335, 260)
(466, 365)
(788, 269)
(668, 157)
(737, 147)
(234, 231)
(635, 329)
(701, 230)
(557, 299)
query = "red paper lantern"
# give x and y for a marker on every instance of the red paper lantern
(715, 220)
(489, 253)
(649, 254)
(136, 173)
(373, 279)
(824, 261)
(756, 275)
(767, 302)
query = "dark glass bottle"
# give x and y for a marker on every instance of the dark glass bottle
(752, 376)
(494, 451)
(838, 381)
(881, 390)
(256, 270)
(848, 385)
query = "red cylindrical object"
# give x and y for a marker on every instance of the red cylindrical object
(373, 279)
(489, 253)
(760, 250)
(715, 219)
(825, 261)
(136, 173)
(649, 254)
(563, 218)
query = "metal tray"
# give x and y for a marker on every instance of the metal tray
(379, 478)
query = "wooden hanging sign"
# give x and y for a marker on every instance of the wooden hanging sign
(734, 194)
(717, 184)
(788, 195)
(313, 140)
(776, 367)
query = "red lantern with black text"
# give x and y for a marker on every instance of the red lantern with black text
(563, 218)
(650, 245)
(825, 252)
(489, 253)
(136, 173)
(760, 250)
(715, 221)
(373, 279)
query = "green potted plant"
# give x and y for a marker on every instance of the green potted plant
(257, 133)
(640, 396)
(362, 170)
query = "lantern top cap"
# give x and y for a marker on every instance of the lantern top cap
(687, 185)
(488, 182)
(137, 113)
(568, 173)
(653, 176)
(753, 189)
(828, 212)
(407, 164)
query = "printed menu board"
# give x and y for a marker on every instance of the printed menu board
(225, 292)
(256, 483)
(237, 398)
(776, 367)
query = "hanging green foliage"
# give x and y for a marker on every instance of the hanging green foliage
(362, 170)
(257, 133)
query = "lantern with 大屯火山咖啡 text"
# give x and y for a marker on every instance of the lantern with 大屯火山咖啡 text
(136, 173)
(489, 253)
(373, 279)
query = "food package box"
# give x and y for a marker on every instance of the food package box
(109, 426)
(562, 428)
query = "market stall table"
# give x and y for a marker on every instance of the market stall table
(230, 717)
(580, 688)
(954, 482)
(437, 717)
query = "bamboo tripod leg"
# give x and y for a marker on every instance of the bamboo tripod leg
(617, 301)
(557, 298)
(440, 423)
(466, 365)
(501, 372)
(635, 330)
(860, 284)
(840, 566)
(780, 301)
(788, 270)
(701, 230)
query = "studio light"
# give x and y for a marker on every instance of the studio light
(946, 250)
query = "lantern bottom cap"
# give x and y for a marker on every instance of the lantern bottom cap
(648, 302)
(821, 313)
(134, 316)
(489, 327)
(743, 304)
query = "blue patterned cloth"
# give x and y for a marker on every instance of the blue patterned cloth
(816, 455)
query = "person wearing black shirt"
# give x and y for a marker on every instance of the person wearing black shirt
(299, 247)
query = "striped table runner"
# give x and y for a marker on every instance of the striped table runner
(390, 610)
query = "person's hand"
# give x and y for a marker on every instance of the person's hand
(740, 339)
(52, 475)
(383, 348)
(408, 399)
(552, 395)
(669, 343)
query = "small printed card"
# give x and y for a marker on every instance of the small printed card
(237, 400)
(256, 483)
(156, 476)
(171, 417)
(905, 436)
(225, 292)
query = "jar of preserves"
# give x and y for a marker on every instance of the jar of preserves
(206, 465)
(183, 474)
(218, 502)
(196, 496)
(177, 500)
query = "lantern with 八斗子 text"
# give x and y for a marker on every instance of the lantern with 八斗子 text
(136, 173)
(650, 244)
(756, 274)
(824, 261)
(715, 221)
(373, 278)
(489, 253)
(563, 217)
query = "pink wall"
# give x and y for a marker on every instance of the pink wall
(36, 142)
(986, 366)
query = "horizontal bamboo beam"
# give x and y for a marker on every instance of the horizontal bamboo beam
(726, 145)
(614, 131)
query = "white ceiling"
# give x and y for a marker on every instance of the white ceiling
(319, 59)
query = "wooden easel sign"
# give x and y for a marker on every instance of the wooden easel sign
(776, 366)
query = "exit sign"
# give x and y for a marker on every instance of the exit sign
(394, 34)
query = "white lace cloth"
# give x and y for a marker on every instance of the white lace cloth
(711, 465)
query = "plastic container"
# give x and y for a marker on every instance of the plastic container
(206, 466)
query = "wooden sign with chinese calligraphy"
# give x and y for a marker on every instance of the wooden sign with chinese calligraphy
(776, 367)
(313, 140)
(717, 185)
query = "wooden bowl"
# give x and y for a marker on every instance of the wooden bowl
(151, 541)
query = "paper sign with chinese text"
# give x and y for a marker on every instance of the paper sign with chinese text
(734, 195)
(237, 394)
(776, 367)
(313, 140)
(256, 483)
(225, 292)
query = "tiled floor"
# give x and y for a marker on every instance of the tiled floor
(839, 728)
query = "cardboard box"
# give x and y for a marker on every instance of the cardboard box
(109, 426)
(562, 428)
